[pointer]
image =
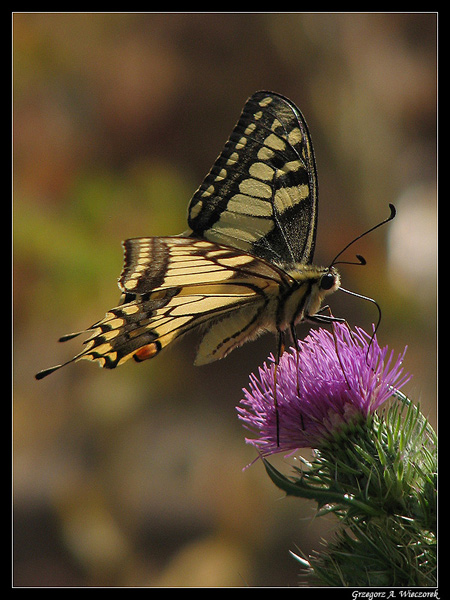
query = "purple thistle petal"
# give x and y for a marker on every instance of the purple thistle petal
(318, 392)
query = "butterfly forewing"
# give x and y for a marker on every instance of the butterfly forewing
(261, 193)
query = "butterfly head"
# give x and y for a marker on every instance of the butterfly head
(329, 281)
(314, 284)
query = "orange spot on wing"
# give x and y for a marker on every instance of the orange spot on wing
(146, 352)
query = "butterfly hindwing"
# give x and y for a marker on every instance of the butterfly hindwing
(172, 285)
(261, 193)
(227, 289)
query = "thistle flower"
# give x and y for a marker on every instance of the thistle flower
(335, 380)
(376, 471)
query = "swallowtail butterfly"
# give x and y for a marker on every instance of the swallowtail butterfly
(244, 265)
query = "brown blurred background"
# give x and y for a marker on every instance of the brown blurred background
(133, 477)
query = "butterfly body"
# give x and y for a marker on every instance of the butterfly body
(244, 265)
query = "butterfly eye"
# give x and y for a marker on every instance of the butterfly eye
(327, 281)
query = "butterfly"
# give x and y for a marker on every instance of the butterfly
(244, 266)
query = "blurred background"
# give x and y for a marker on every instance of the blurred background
(133, 477)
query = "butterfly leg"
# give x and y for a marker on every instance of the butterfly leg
(297, 349)
(281, 345)
(330, 318)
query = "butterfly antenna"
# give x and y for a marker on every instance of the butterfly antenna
(361, 259)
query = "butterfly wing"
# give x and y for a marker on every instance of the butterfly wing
(261, 193)
(172, 285)
(252, 221)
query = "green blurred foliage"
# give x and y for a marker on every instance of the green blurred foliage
(133, 477)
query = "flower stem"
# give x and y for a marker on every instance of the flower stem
(379, 478)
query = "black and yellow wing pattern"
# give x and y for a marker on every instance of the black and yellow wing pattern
(261, 194)
(244, 265)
